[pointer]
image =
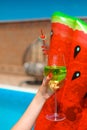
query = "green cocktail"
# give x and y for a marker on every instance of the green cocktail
(58, 75)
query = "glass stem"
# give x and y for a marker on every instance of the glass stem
(55, 96)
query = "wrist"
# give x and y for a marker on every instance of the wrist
(45, 92)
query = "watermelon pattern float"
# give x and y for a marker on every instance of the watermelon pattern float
(70, 35)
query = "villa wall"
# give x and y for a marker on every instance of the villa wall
(15, 38)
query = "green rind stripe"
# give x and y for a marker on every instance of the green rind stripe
(63, 19)
(72, 22)
(81, 26)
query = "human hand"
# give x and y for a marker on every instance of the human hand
(44, 88)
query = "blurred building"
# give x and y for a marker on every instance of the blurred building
(15, 38)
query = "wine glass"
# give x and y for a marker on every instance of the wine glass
(58, 70)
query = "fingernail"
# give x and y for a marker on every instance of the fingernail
(50, 75)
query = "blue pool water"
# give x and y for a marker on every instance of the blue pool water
(12, 105)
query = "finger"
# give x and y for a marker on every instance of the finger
(47, 79)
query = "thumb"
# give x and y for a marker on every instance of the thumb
(47, 79)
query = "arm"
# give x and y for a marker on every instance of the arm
(28, 119)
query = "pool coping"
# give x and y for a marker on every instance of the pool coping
(17, 88)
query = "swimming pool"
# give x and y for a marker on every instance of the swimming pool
(13, 103)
